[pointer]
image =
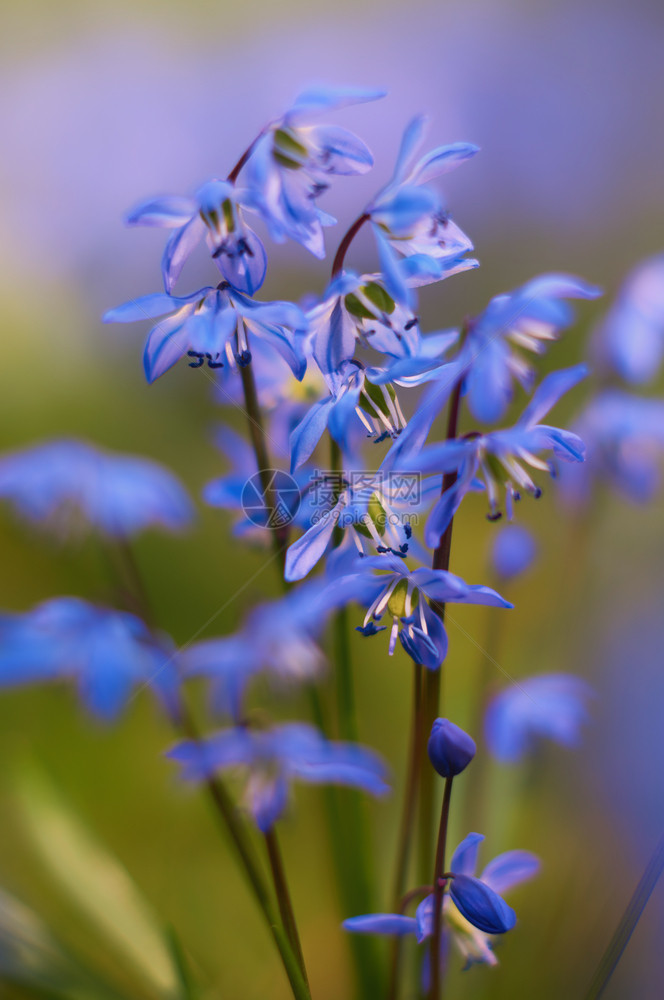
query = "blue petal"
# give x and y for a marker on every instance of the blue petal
(411, 139)
(303, 554)
(549, 391)
(149, 306)
(179, 247)
(334, 341)
(319, 98)
(309, 431)
(381, 923)
(510, 869)
(342, 152)
(441, 161)
(166, 344)
(243, 266)
(169, 211)
(464, 859)
(512, 551)
(481, 906)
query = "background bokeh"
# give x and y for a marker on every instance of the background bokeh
(103, 103)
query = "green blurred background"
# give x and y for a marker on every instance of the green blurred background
(103, 103)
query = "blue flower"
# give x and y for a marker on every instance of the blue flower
(104, 651)
(290, 164)
(473, 910)
(551, 706)
(527, 319)
(115, 493)
(400, 593)
(630, 340)
(278, 638)
(499, 458)
(624, 438)
(212, 325)
(375, 507)
(408, 219)
(512, 551)
(357, 309)
(214, 213)
(275, 757)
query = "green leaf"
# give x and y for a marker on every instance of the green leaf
(98, 884)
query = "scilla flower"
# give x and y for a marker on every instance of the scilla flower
(63, 480)
(400, 594)
(473, 909)
(214, 214)
(450, 749)
(630, 340)
(212, 325)
(528, 319)
(273, 758)
(293, 159)
(408, 219)
(105, 652)
(512, 551)
(278, 638)
(499, 459)
(551, 706)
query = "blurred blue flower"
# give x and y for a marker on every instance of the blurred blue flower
(105, 652)
(551, 706)
(275, 757)
(512, 551)
(292, 160)
(473, 910)
(499, 457)
(211, 325)
(115, 493)
(528, 318)
(630, 340)
(624, 438)
(400, 592)
(278, 638)
(214, 213)
(408, 220)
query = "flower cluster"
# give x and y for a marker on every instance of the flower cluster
(350, 381)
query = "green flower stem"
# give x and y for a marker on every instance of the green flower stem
(283, 896)
(236, 828)
(433, 678)
(435, 991)
(258, 440)
(348, 824)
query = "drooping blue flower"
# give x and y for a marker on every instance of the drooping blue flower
(450, 749)
(274, 758)
(408, 219)
(278, 638)
(527, 319)
(512, 551)
(400, 592)
(105, 652)
(212, 325)
(214, 214)
(624, 438)
(551, 706)
(356, 310)
(499, 458)
(120, 495)
(473, 909)
(293, 159)
(630, 340)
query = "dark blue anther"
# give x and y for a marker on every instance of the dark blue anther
(196, 364)
(495, 516)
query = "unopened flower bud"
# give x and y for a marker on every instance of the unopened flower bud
(450, 748)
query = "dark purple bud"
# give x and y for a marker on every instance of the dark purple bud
(450, 748)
